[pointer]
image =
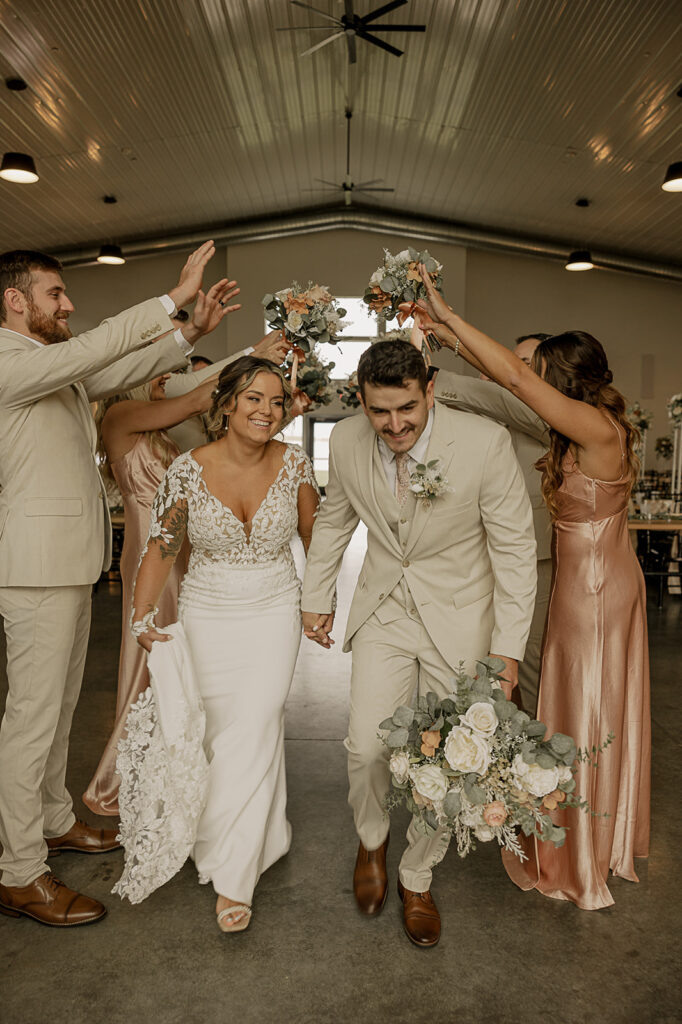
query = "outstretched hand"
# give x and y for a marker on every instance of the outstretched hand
(213, 306)
(192, 275)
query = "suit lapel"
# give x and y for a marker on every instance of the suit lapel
(443, 447)
(373, 485)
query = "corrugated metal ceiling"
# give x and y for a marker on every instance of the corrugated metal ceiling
(198, 112)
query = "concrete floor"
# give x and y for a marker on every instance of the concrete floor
(506, 957)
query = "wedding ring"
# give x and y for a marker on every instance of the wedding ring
(221, 303)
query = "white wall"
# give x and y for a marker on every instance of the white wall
(504, 295)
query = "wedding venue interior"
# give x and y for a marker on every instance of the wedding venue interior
(534, 149)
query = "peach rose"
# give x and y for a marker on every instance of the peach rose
(495, 814)
(295, 303)
(430, 742)
(554, 798)
(380, 301)
(317, 294)
(413, 273)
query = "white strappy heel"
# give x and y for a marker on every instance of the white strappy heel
(235, 926)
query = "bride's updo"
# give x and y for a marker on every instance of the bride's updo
(237, 377)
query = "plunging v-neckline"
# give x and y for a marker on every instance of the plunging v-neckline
(226, 508)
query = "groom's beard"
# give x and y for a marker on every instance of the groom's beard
(49, 328)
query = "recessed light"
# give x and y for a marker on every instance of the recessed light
(582, 202)
(16, 84)
(109, 200)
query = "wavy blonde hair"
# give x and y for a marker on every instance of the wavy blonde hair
(575, 364)
(236, 378)
(158, 440)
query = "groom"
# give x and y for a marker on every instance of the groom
(446, 580)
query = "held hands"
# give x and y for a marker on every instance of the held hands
(318, 627)
(210, 309)
(191, 275)
(510, 677)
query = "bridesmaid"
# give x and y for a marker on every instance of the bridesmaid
(595, 664)
(137, 452)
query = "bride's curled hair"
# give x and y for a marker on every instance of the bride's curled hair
(575, 364)
(236, 378)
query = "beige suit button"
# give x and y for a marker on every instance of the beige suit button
(403, 521)
(381, 597)
(406, 563)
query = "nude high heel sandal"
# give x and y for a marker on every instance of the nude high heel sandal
(240, 924)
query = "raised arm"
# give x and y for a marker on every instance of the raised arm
(579, 421)
(489, 399)
(273, 346)
(167, 531)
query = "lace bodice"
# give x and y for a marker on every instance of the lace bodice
(183, 504)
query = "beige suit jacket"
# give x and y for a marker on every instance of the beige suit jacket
(191, 433)
(54, 519)
(529, 434)
(468, 558)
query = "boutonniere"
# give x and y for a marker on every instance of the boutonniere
(427, 482)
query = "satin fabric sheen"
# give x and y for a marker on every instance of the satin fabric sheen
(138, 474)
(595, 680)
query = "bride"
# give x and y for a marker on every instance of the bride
(239, 500)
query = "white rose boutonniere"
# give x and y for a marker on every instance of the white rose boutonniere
(427, 482)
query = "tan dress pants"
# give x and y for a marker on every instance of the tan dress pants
(389, 659)
(47, 638)
(529, 668)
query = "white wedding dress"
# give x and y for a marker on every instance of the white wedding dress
(239, 607)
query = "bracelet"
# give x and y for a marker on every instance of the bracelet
(457, 347)
(143, 625)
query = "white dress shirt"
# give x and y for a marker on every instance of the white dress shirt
(416, 454)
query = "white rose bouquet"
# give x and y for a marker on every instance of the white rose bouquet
(308, 316)
(314, 379)
(477, 766)
(398, 280)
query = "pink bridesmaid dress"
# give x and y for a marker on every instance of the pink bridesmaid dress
(138, 474)
(594, 681)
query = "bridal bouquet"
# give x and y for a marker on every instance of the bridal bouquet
(348, 392)
(478, 767)
(639, 417)
(314, 379)
(398, 280)
(308, 316)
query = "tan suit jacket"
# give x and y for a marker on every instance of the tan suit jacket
(468, 557)
(529, 434)
(54, 519)
(191, 433)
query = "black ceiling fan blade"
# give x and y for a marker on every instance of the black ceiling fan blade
(359, 188)
(399, 28)
(373, 15)
(309, 7)
(352, 48)
(366, 184)
(332, 184)
(380, 43)
(303, 28)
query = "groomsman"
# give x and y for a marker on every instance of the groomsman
(530, 440)
(55, 540)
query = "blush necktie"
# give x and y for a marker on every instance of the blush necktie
(402, 482)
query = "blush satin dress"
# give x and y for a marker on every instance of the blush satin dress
(138, 474)
(594, 681)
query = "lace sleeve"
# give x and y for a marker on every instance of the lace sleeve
(167, 531)
(308, 496)
(305, 474)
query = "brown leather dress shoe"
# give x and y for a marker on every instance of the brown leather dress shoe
(51, 902)
(370, 882)
(81, 838)
(420, 917)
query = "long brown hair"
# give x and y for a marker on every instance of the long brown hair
(237, 377)
(575, 364)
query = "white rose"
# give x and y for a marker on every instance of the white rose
(480, 718)
(471, 815)
(429, 782)
(378, 276)
(565, 773)
(484, 833)
(399, 766)
(294, 321)
(535, 780)
(467, 751)
(404, 256)
(282, 295)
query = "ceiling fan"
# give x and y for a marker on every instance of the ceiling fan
(348, 186)
(354, 26)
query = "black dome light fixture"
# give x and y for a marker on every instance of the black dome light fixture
(111, 255)
(580, 259)
(19, 168)
(673, 178)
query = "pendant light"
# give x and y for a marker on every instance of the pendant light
(111, 254)
(673, 178)
(580, 260)
(19, 168)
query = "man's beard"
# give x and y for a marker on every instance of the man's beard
(50, 329)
